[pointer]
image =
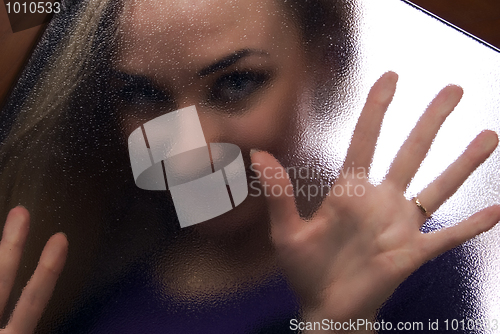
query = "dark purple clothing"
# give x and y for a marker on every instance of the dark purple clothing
(140, 308)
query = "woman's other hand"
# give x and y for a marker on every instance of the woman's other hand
(349, 258)
(39, 289)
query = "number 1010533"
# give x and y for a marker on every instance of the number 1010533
(33, 7)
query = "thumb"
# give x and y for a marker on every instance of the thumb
(278, 190)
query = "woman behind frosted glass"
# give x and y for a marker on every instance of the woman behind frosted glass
(254, 69)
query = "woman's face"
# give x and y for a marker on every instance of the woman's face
(239, 62)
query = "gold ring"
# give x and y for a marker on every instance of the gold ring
(421, 207)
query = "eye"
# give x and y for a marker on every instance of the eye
(237, 86)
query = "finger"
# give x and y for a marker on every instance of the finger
(278, 192)
(452, 178)
(415, 148)
(367, 129)
(11, 248)
(448, 238)
(39, 289)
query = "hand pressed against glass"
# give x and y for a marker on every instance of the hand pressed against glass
(37, 292)
(348, 259)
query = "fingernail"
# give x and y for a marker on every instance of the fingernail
(392, 76)
(491, 141)
(15, 224)
(253, 150)
(12, 214)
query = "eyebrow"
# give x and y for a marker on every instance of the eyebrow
(230, 60)
(131, 78)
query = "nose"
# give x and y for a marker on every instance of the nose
(211, 123)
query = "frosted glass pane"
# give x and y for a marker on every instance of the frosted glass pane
(168, 229)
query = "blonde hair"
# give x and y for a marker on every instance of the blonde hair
(25, 153)
(47, 102)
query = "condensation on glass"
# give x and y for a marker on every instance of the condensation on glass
(91, 82)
